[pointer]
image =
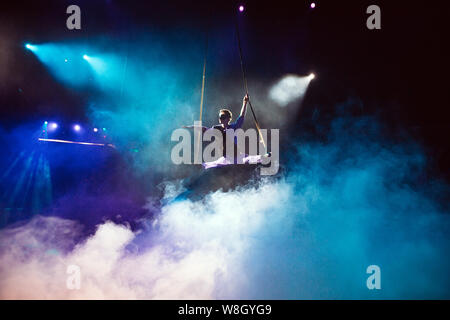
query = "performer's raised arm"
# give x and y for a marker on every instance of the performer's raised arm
(244, 105)
(240, 120)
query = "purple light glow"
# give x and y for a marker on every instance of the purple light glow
(313, 5)
(241, 8)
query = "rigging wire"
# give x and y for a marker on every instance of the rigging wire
(244, 80)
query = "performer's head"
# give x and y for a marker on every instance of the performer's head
(225, 116)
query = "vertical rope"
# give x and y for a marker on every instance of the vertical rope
(203, 91)
(244, 79)
(203, 87)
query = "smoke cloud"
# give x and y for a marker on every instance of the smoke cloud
(311, 233)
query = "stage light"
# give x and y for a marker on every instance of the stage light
(95, 130)
(312, 76)
(53, 126)
(289, 89)
(97, 64)
(241, 8)
(77, 127)
(63, 61)
(30, 47)
(313, 5)
(46, 122)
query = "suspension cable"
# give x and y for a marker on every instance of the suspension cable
(199, 140)
(244, 80)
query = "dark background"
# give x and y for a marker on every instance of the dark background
(398, 73)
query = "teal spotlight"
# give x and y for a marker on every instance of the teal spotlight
(63, 61)
(96, 63)
(30, 47)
